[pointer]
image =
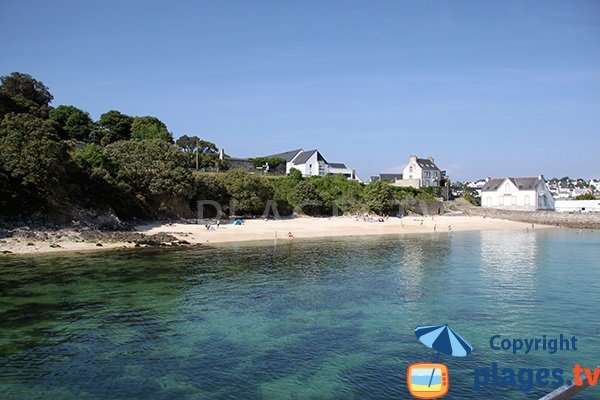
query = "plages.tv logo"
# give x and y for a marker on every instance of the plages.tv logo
(432, 380)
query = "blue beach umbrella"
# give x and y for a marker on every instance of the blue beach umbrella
(444, 340)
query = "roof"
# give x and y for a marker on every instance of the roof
(390, 177)
(337, 165)
(492, 185)
(426, 163)
(287, 156)
(303, 157)
(526, 183)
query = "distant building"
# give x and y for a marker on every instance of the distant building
(578, 206)
(386, 177)
(420, 172)
(312, 163)
(525, 194)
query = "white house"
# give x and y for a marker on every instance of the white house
(524, 194)
(420, 172)
(579, 206)
(386, 177)
(341, 169)
(312, 163)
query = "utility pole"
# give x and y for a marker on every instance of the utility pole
(197, 146)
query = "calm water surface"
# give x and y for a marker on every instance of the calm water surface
(326, 319)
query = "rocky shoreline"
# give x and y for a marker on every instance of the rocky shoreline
(64, 238)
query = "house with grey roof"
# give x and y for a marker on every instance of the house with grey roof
(288, 156)
(312, 163)
(420, 172)
(522, 194)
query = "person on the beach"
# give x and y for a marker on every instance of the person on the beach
(218, 223)
(290, 235)
(434, 228)
(449, 228)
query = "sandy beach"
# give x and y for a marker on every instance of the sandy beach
(257, 229)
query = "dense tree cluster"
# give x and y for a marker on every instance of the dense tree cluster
(55, 158)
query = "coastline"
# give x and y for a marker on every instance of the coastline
(181, 234)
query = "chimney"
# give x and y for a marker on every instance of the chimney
(221, 154)
(540, 177)
(413, 158)
(488, 179)
(431, 159)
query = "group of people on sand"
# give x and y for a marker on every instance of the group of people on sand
(209, 227)
(368, 218)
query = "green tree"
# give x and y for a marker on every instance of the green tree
(585, 196)
(33, 163)
(207, 156)
(295, 174)
(379, 197)
(249, 192)
(284, 193)
(308, 198)
(273, 162)
(337, 191)
(144, 128)
(209, 187)
(434, 191)
(21, 93)
(89, 157)
(189, 143)
(73, 123)
(113, 126)
(152, 171)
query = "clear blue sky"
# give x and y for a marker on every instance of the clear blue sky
(490, 88)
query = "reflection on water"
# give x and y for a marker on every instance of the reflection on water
(304, 320)
(508, 265)
(419, 259)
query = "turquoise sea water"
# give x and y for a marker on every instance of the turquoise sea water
(315, 319)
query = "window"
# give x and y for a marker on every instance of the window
(501, 200)
(426, 174)
(514, 200)
(507, 188)
(410, 169)
(526, 200)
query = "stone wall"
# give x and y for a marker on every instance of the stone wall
(570, 220)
